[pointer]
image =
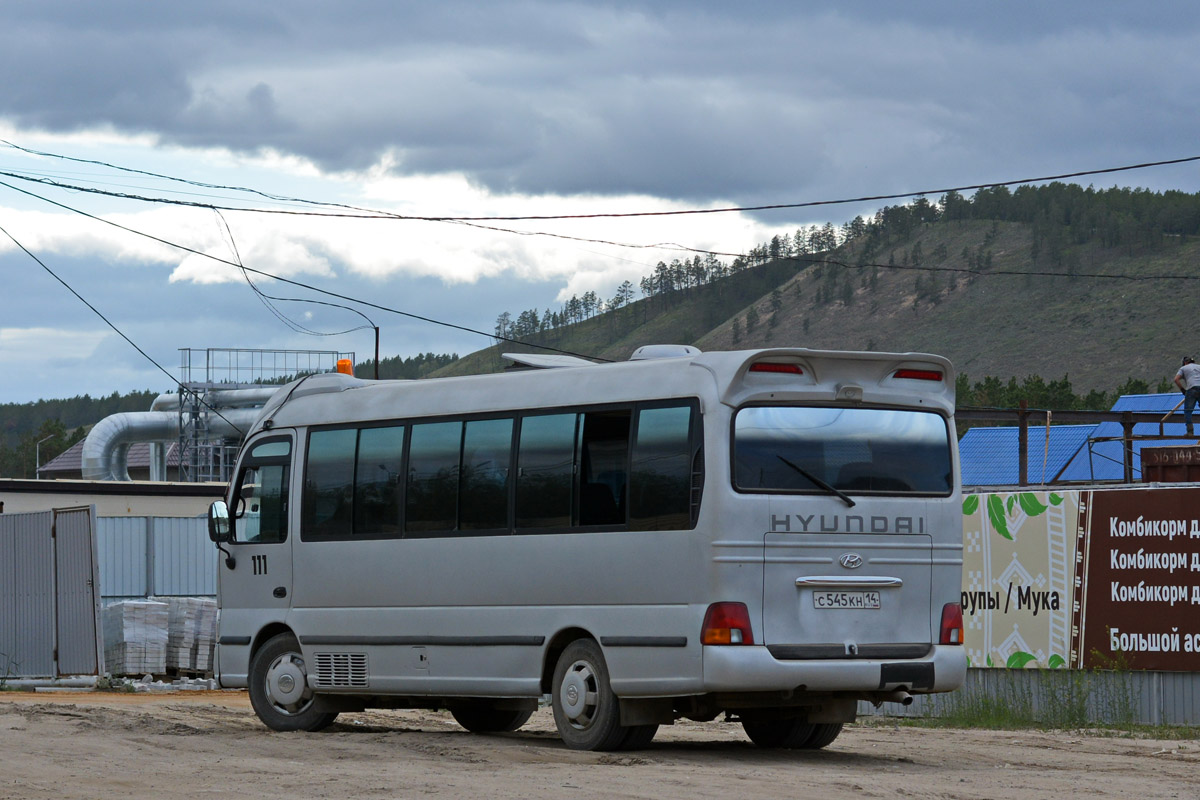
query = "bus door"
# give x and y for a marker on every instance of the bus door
(256, 584)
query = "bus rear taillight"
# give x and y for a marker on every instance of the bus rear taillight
(918, 374)
(952, 624)
(775, 366)
(727, 623)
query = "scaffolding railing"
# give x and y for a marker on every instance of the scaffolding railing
(221, 367)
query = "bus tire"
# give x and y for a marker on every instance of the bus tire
(637, 737)
(823, 735)
(480, 716)
(786, 733)
(586, 711)
(279, 688)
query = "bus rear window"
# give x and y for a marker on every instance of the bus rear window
(855, 450)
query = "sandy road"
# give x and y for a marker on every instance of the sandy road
(198, 745)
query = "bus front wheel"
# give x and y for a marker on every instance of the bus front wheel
(279, 688)
(586, 711)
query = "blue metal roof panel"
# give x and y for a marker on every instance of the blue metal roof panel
(1147, 402)
(989, 455)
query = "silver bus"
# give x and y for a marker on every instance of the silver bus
(771, 535)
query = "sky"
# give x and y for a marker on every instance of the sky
(455, 109)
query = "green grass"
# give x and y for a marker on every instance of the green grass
(8, 672)
(1101, 699)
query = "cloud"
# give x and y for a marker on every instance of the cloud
(694, 101)
(33, 346)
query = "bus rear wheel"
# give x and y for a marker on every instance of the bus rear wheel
(823, 734)
(480, 716)
(586, 712)
(279, 688)
(786, 733)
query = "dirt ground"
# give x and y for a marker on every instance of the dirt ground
(207, 744)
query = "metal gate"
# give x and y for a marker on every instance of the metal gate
(49, 594)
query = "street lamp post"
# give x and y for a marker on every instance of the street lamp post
(37, 458)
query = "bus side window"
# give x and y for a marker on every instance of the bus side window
(604, 458)
(545, 471)
(261, 504)
(329, 484)
(661, 479)
(378, 488)
(431, 499)
(487, 450)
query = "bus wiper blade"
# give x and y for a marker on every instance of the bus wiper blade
(817, 481)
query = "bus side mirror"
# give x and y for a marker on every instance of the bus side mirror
(218, 522)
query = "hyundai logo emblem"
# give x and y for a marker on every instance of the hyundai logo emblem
(851, 561)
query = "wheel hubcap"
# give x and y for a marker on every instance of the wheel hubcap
(287, 686)
(577, 695)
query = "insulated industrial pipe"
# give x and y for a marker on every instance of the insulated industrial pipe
(106, 448)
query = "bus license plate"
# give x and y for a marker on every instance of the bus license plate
(846, 600)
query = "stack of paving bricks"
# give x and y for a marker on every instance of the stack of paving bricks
(191, 634)
(135, 637)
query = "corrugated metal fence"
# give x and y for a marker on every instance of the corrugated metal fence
(49, 602)
(1066, 697)
(77, 598)
(156, 556)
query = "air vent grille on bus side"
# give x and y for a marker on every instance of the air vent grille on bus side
(333, 670)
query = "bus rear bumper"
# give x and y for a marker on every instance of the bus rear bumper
(748, 668)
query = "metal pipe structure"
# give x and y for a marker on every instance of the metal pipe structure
(219, 398)
(229, 414)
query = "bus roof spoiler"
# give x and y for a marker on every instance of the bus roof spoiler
(544, 361)
(649, 351)
(551, 361)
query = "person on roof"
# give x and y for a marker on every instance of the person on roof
(1188, 381)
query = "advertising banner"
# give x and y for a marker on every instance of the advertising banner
(1140, 580)
(1103, 578)
(1019, 565)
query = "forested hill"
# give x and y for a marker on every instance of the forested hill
(57, 424)
(1057, 281)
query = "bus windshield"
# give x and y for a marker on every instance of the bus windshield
(814, 450)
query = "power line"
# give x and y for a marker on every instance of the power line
(266, 298)
(119, 332)
(656, 246)
(375, 213)
(366, 213)
(844, 201)
(188, 181)
(300, 284)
